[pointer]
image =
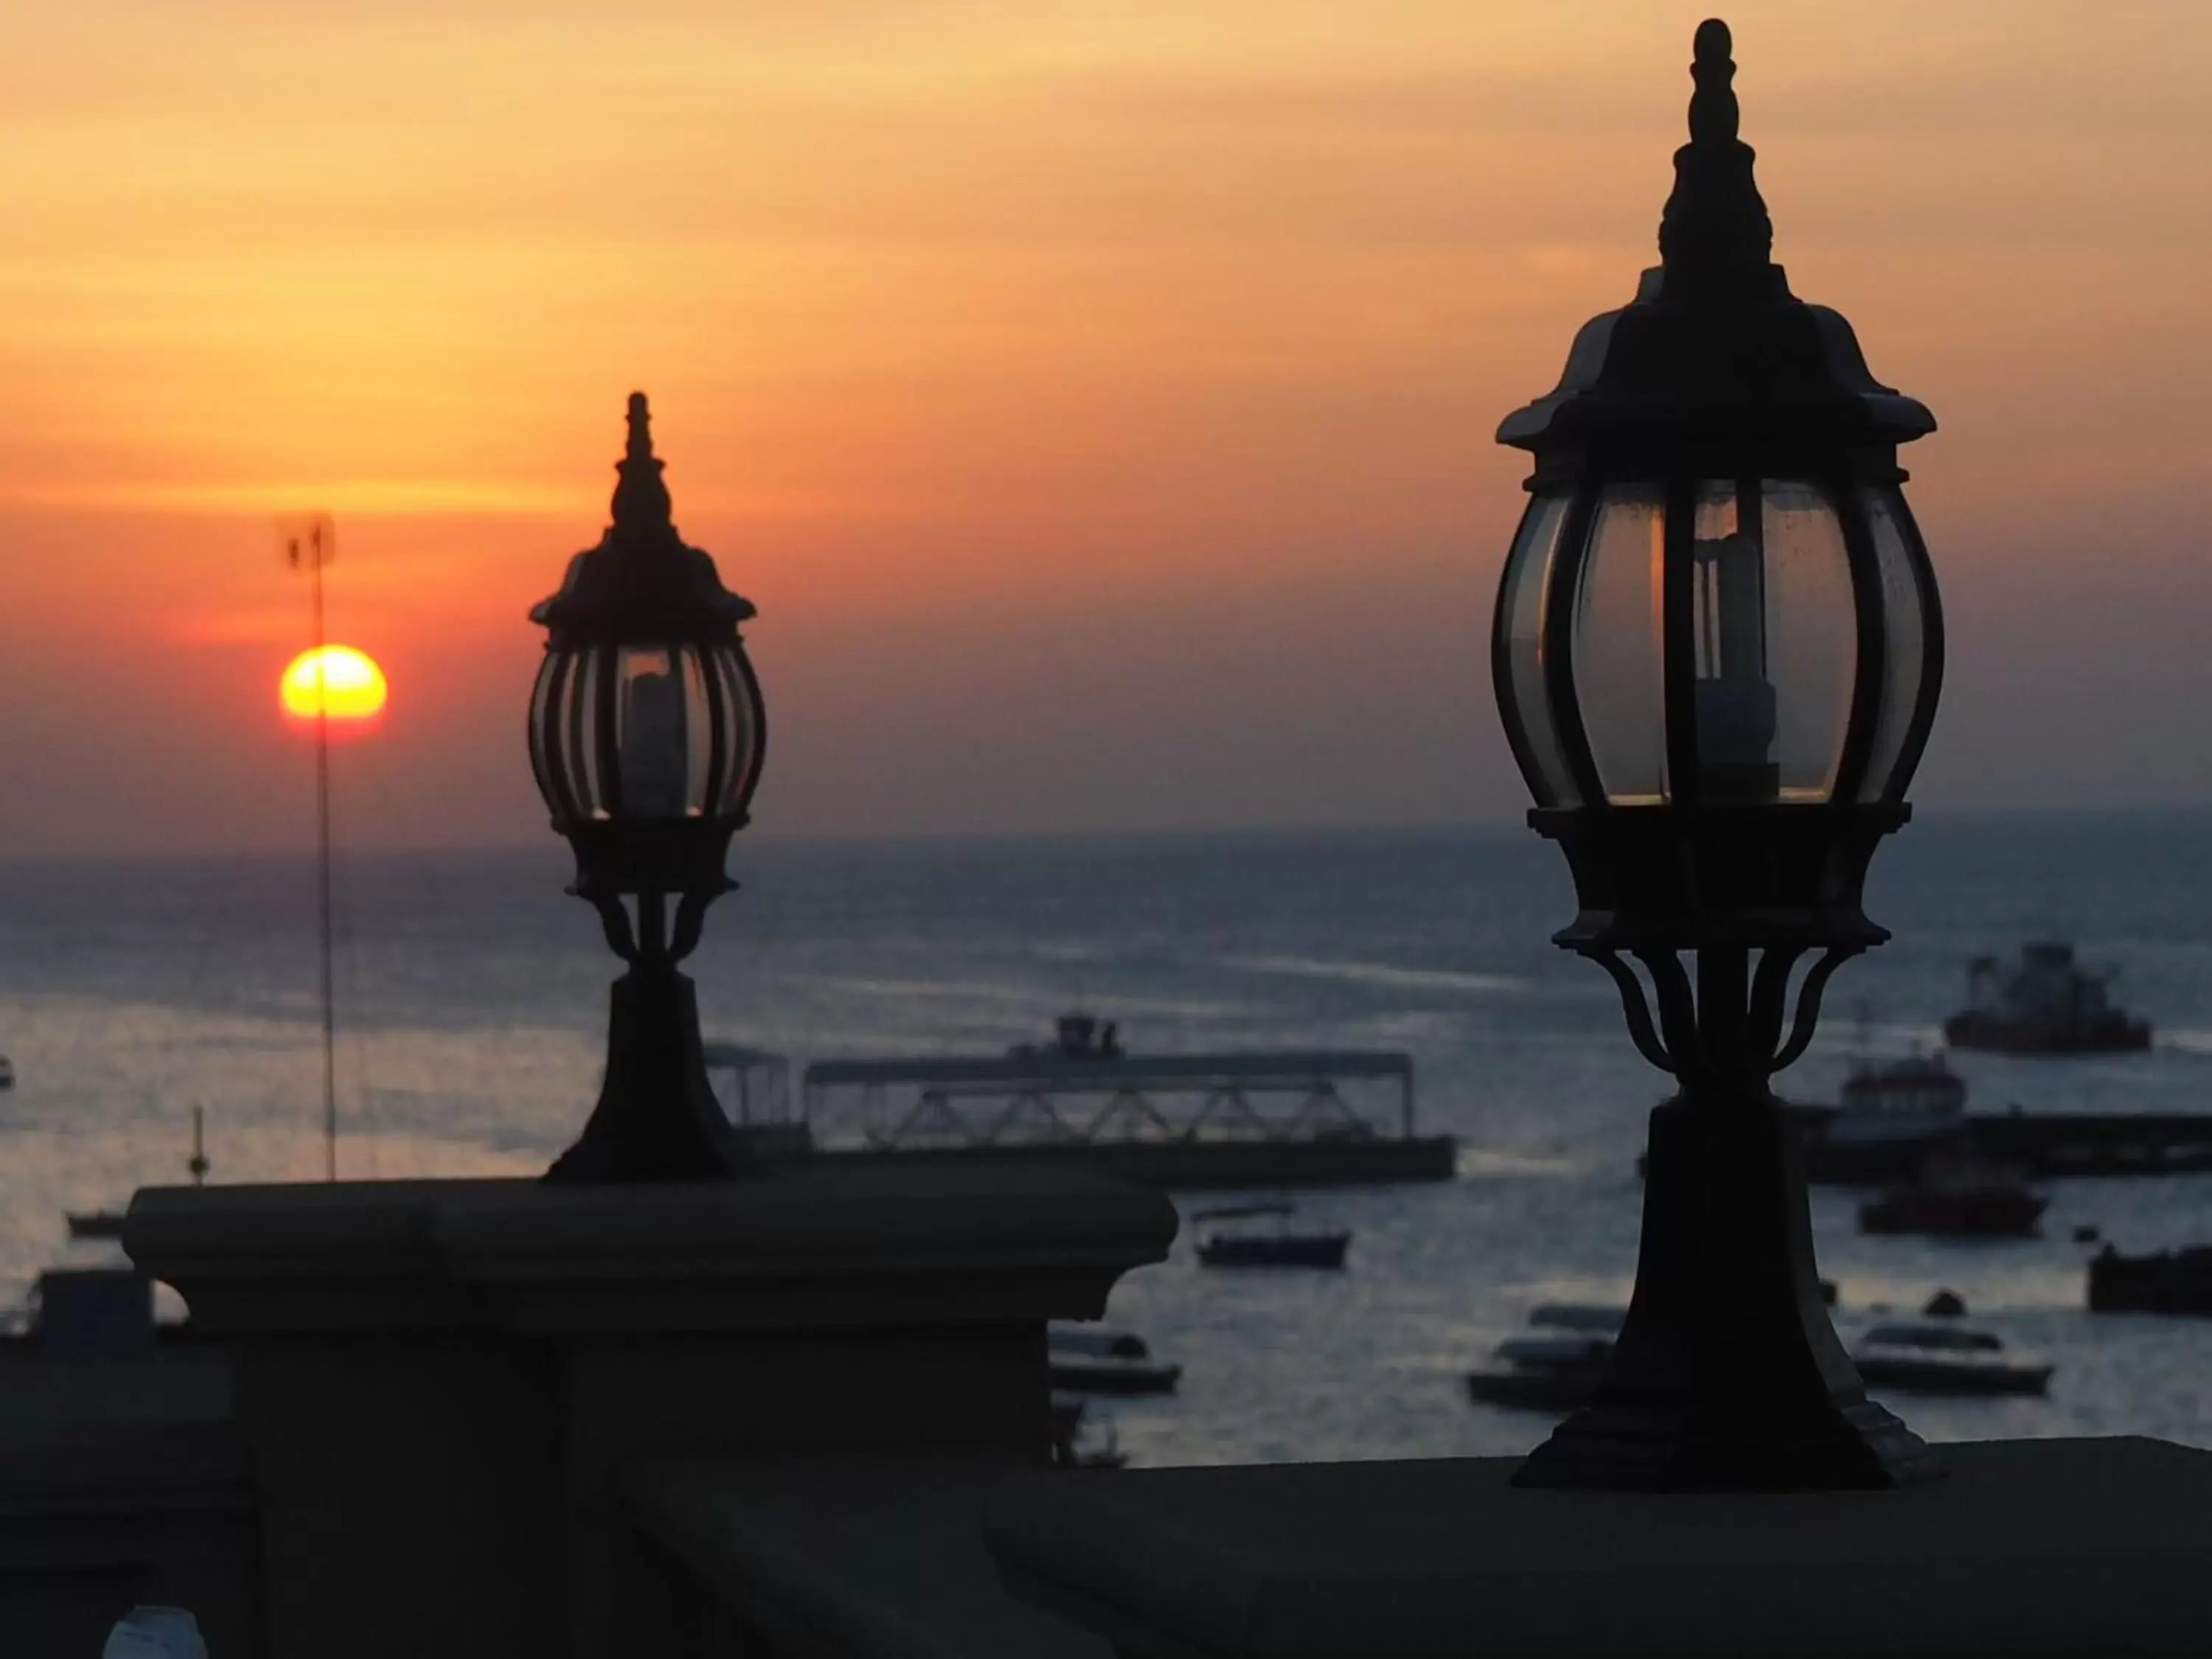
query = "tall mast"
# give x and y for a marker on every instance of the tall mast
(314, 542)
(323, 881)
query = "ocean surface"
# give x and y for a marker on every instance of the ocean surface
(472, 1007)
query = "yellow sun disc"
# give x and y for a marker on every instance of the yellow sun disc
(336, 679)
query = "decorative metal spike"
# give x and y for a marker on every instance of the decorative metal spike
(1713, 112)
(642, 510)
(1715, 233)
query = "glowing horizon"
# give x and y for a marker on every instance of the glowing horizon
(1098, 406)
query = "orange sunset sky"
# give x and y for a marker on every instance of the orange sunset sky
(1096, 400)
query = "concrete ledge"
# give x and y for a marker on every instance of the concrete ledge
(46, 1390)
(876, 1558)
(2072, 1549)
(136, 1469)
(813, 1248)
(443, 1384)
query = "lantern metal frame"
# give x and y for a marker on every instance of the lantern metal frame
(1719, 920)
(643, 595)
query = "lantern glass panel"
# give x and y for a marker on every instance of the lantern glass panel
(544, 765)
(580, 725)
(698, 733)
(1617, 657)
(1810, 632)
(1528, 585)
(1904, 644)
(741, 730)
(652, 734)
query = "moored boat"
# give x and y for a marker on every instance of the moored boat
(1957, 1196)
(1280, 1247)
(2047, 1004)
(2169, 1282)
(1542, 1373)
(1889, 1116)
(1944, 1360)
(1596, 1318)
(1080, 1441)
(1083, 1361)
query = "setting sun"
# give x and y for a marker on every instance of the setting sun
(337, 678)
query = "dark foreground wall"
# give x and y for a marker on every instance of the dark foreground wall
(446, 1390)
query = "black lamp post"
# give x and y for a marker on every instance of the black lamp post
(647, 733)
(1717, 652)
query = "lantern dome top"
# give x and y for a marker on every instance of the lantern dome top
(642, 582)
(1715, 365)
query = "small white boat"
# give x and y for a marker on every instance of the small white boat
(1580, 1316)
(1080, 1441)
(1080, 1360)
(1280, 1247)
(1542, 1373)
(1944, 1360)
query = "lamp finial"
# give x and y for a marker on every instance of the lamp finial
(642, 507)
(1713, 112)
(1715, 225)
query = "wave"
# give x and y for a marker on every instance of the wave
(1378, 973)
(1031, 1000)
(1476, 1161)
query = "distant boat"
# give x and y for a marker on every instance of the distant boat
(1278, 1248)
(1957, 1196)
(1580, 1316)
(1943, 1359)
(2047, 1005)
(2169, 1282)
(108, 1223)
(1542, 1373)
(6, 1074)
(1076, 1035)
(1889, 1116)
(1079, 1360)
(1074, 1444)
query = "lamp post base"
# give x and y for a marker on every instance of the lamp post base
(657, 1117)
(1728, 1376)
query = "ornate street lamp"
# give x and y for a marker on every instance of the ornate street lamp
(647, 733)
(1717, 651)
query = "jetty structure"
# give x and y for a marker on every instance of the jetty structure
(1176, 1121)
(1892, 1117)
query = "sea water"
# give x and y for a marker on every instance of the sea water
(472, 1006)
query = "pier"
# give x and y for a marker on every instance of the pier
(2089, 1143)
(1189, 1121)
(2040, 1144)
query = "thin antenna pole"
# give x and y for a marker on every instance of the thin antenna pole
(323, 873)
(314, 539)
